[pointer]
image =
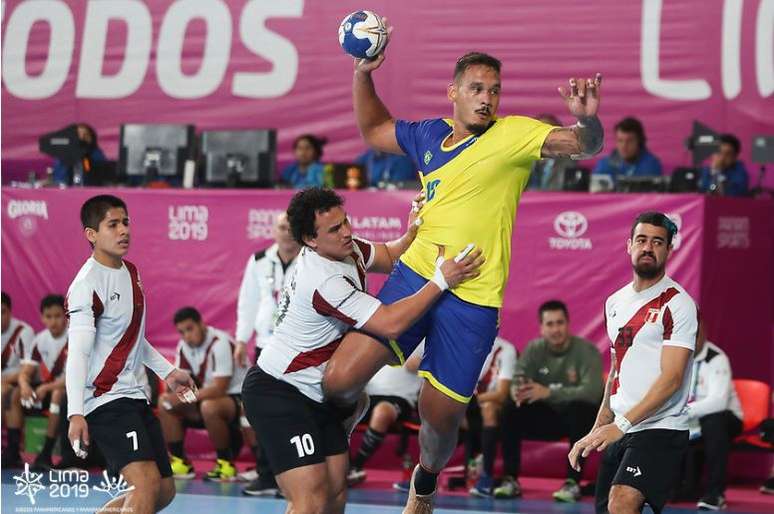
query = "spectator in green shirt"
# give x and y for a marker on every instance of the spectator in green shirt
(556, 393)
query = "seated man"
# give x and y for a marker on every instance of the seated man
(557, 393)
(726, 175)
(631, 157)
(393, 392)
(483, 414)
(715, 419)
(17, 336)
(208, 354)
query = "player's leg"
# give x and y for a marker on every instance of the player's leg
(173, 415)
(384, 414)
(490, 435)
(14, 421)
(43, 460)
(306, 488)
(337, 482)
(218, 414)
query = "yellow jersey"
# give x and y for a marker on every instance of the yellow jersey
(472, 191)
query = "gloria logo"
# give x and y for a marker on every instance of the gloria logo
(27, 211)
(570, 226)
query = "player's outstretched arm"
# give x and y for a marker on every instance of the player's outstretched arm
(585, 138)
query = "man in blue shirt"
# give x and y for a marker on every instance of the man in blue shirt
(630, 158)
(385, 167)
(726, 175)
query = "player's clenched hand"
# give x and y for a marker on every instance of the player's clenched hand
(78, 434)
(415, 216)
(181, 383)
(369, 65)
(455, 271)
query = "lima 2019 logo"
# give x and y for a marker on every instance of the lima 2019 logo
(67, 484)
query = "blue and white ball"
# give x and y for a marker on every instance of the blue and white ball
(363, 34)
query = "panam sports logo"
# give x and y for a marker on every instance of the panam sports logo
(570, 226)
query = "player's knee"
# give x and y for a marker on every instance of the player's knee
(383, 417)
(209, 409)
(315, 502)
(166, 493)
(622, 501)
(490, 414)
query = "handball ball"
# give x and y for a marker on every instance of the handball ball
(362, 34)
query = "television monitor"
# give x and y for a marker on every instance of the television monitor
(576, 179)
(684, 180)
(239, 158)
(155, 152)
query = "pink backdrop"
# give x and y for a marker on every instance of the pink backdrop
(191, 248)
(240, 64)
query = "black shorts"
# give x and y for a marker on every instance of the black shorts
(648, 461)
(126, 431)
(293, 429)
(401, 405)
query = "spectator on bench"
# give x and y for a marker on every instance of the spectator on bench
(208, 353)
(726, 175)
(631, 157)
(16, 337)
(557, 393)
(307, 170)
(483, 414)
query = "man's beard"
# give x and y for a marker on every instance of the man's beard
(648, 271)
(477, 128)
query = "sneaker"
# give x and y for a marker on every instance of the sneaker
(356, 476)
(259, 488)
(509, 488)
(768, 486)
(224, 471)
(248, 475)
(42, 463)
(349, 423)
(483, 488)
(712, 503)
(418, 503)
(403, 486)
(569, 493)
(181, 468)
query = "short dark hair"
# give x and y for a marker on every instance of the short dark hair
(6, 299)
(304, 207)
(553, 305)
(732, 140)
(473, 59)
(317, 143)
(634, 126)
(94, 209)
(187, 313)
(52, 300)
(658, 219)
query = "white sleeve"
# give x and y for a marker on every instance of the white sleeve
(680, 322)
(80, 307)
(79, 346)
(507, 364)
(367, 249)
(717, 375)
(338, 298)
(222, 360)
(28, 348)
(248, 301)
(155, 361)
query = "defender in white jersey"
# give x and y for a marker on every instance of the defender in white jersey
(305, 441)
(642, 424)
(107, 349)
(208, 354)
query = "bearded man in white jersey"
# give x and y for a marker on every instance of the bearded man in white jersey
(304, 437)
(642, 425)
(107, 405)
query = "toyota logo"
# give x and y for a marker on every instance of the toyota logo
(571, 224)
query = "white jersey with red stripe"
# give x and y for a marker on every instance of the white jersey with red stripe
(111, 302)
(49, 354)
(212, 359)
(500, 364)
(639, 324)
(324, 300)
(16, 341)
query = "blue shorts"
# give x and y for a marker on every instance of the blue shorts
(458, 335)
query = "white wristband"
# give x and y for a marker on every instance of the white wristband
(623, 424)
(438, 278)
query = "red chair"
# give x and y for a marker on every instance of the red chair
(755, 397)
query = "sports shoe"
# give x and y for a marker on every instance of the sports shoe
(181, 468)
(418, 503)
(248, 475)
(356, 476)
(361, 407)
(224, 471)
(403, 486)
(712, 503)
(509, 488)
(483, 487)
(569, 492)
(258, 488)
(768, 486)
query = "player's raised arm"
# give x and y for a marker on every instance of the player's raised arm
(585, 138)
(376, 124)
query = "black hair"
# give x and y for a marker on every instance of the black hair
(187, 313)
(553, 305)
(93, 134)
(316, 142)
(304, 207)
(94, 209)
(634, 126)
(52, 300)
(473, 59)
(659, 219)
(6, 299)
(732, 140)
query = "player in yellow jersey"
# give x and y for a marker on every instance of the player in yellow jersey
(474, 168)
